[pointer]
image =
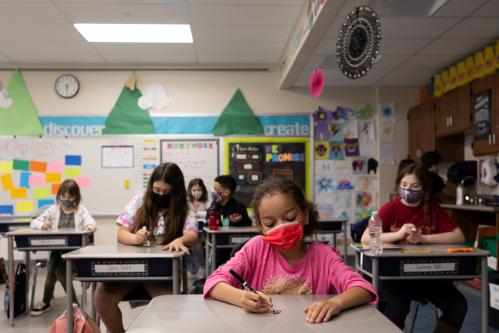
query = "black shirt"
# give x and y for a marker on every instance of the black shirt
(235, 207)
(437, 183)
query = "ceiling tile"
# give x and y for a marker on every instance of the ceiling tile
(401, 46)
(326, 46)
(14, 48)
(39, 32)
(245, 15)
(143, 49)
(406, 74)
(415, 27)
(389, 61)
(491, 8)
(32, 13)
(240, 34)
(150, 59)
(97, 12)
(240, 48)
(475, 27)
(4, 59)
(53, 58)
(403, 82)
(453, 47)
(459, 7)
(429, 62)
(241, 59)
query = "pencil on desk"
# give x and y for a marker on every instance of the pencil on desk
(416, 251)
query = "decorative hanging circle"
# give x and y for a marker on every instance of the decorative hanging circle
(358, 42)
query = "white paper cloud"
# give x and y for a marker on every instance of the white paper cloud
(5, 100)
(154, 98)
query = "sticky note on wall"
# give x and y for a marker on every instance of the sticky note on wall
(72, 160)
(5, 166)
(55, 167)
(20, 165)
(37, 180)
(7, 183)
(18, 193)
(42, 193)
(38, 166)
(44, 202)
(53, 177)
(55, 188)
(72, 172)
(24, 179)
(27, 206)
(6, 209)
(83, 182)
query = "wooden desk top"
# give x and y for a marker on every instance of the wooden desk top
(232, 230)
(51, 232)
(119, 251)
(191, 313)
(437, 250)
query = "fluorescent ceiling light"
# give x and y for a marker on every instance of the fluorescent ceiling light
(135, 33)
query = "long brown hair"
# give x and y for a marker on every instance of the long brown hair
(289, 188)
(423, 176)
(148, 213)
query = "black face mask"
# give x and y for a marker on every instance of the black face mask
(68, 203)
(162, 201)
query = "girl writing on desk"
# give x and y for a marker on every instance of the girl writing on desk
(280, 262)
(67, 213)
(160, 216)
(414, 218)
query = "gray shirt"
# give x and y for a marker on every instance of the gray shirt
(66, 220)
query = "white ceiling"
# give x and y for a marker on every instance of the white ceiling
(242, 34)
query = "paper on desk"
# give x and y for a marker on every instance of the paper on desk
(494, 295)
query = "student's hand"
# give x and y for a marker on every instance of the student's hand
(406, 230)
(176, 245)
(47, 224)
(415, 238)
(322, 311)
(257, 303)
(141, 236)
(234, 218)
(91, 228)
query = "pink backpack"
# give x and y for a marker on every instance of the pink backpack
(82, 323)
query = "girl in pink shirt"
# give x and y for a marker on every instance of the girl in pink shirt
(280, 262)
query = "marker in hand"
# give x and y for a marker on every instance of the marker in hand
(148, 242)
(247, 286)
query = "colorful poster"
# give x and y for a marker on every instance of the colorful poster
(359, 166)
(387, 132)
(351, 147)
(388, 112)
(321, 149)
(350, 129)
(336, 151)
(387, 154)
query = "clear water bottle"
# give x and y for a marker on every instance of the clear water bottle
(375, 230)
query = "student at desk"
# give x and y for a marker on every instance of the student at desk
(414, 218)
(225, 205)
(160, 216)
(280, 262)
(67, 213)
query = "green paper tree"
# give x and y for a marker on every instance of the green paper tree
(127, 117)
(238, 118)
(21, 117)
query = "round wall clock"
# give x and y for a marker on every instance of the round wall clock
(67, 86)
(358, 42)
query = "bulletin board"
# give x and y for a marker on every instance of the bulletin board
(31, 170)
(252, 160)
(197, 158)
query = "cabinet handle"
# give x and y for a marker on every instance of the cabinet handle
(490, 139)
(450, 120)
(493, 139)
(447, 122)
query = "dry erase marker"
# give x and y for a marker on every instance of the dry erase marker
(459, 249)
(242, 282)
(148, 242)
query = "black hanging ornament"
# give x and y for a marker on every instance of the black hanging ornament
(358, 42)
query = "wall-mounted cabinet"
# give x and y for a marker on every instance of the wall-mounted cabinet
(485, 108)
(421, 129)
(453, 112)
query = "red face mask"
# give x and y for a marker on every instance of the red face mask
(285, 236)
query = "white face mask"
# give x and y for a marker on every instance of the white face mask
(197, 194)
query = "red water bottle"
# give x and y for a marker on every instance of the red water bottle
(212, 221)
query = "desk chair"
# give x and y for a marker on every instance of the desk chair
(421, 301)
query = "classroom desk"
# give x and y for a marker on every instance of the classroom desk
(191, 313)
(392, 264)
(8, 222)
(224, 238)
(335, 227)
(39, 240)
(105, 263)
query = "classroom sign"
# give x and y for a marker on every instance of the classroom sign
(252, 160)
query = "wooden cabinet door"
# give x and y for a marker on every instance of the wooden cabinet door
(485, 145)
(461, 109)
(442, 116)
(421, 129)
